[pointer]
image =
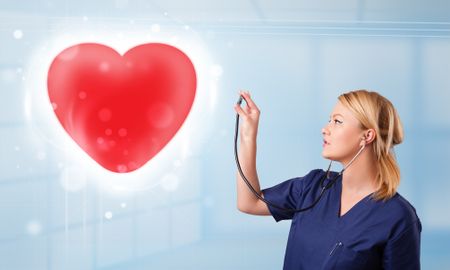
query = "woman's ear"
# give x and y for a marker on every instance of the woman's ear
(369, 135)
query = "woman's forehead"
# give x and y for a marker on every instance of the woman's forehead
(340, 110)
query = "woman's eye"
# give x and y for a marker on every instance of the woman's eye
(335, 121)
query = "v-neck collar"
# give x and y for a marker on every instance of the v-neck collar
(353, 208)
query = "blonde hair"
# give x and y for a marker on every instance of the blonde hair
(376, 112)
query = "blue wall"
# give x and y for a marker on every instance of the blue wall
(295, 57)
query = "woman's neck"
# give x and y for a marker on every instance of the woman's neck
(360, 176)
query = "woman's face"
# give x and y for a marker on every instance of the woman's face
(342, 136)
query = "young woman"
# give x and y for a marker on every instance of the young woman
(360, 222)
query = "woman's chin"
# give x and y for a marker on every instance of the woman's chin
(328, 156)
(325, 154)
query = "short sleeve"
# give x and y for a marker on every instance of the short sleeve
(403, 252)
(286, 195)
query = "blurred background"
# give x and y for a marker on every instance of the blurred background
(295, 57)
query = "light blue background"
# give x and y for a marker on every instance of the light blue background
(295, 57)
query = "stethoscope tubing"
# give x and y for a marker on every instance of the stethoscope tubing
(252, 189)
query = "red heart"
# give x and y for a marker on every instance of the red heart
(121, 110)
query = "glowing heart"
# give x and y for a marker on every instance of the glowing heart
(121, 110)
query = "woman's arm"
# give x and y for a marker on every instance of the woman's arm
(403, 252)
(246, 200)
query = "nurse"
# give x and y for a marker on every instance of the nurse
(361, 222)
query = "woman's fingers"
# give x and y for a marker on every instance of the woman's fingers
(249, 100)
(250, 111)
(240, 111)
(245, 108)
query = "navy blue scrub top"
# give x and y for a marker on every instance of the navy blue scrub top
(371, 235)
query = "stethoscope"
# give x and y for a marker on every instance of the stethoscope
(322, 179)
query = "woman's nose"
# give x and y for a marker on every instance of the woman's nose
(324, 130)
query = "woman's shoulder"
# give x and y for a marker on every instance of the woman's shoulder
(315, 172)
(315, 177)
(401, 208)
(401, 214)
(319, 173)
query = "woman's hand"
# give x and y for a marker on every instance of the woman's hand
(250, 116)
